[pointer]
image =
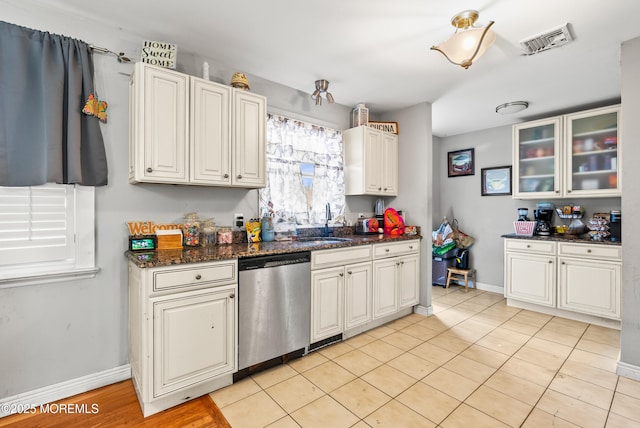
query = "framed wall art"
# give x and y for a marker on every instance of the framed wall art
(461, 162)
(496, 181)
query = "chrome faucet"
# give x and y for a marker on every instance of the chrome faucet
(327, 218)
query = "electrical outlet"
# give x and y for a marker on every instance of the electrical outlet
(238, 221)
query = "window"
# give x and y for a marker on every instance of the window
(46, 234)
(304, 172)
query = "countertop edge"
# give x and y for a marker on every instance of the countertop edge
(221, 252)
(579, 239)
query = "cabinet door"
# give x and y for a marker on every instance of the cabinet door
(249, 145)
(358, 299)
(327, 303)
(385, 287)
(210, 141)
(164, 125)
(536, 159)
(409, 282)
(193, 339)
(530, 278)
(592, 152)
(588, 287)
(390, 164)
(373, 161)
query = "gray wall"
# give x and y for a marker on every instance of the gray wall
(487, 217)
(414, 179)
(630, 336)
(56, 332)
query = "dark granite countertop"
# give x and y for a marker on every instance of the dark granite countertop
(578, 239)
(244, 249)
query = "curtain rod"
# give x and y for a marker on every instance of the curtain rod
(120, 56)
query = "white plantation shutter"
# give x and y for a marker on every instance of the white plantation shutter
(36, 224)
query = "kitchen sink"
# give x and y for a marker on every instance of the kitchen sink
(323, 239)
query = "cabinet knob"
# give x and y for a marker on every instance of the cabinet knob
(149, 169)
(411, 247)
(401, 263)
(561, 263)
(386, 250)
(232, 296)
(379, 188)
(198, 276)
(385, 189)
(557, 191)
(349, 272)
(528, 246)
(550, 261)
(569, 191)
(239, 176)
(226, 176)
(341, 274)
(588, 250)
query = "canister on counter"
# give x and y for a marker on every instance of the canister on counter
(191, 230)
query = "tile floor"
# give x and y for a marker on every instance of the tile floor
(475, 363)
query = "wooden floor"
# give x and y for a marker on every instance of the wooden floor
(117, 406)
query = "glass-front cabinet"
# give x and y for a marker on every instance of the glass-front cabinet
(592, 152)
(564, 156)
(536, 163)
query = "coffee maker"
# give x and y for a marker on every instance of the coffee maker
(543, 215)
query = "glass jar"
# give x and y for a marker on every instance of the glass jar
(208, 233)
(225, 235)
(268, 232)
(191, 230)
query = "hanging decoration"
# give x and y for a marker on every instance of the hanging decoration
(95, 107)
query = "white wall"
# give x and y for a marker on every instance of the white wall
(630, 335)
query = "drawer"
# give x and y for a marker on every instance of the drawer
(597, 251)
(190, 276)
(340, 256)
(530, 246)
(390, 249)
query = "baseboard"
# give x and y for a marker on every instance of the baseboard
(628, 370)
(58, 391)
(490, 287)
(423, 310)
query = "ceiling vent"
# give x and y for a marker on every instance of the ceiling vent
(547, 40)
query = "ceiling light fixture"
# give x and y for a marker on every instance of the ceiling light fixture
(468, 43)
(322, 87)
(512, 107)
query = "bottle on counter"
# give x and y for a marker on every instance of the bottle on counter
(191, 230)
(208, 233)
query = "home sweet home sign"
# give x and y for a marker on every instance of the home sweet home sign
(159, 53)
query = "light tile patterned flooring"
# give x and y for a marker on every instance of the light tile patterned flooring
(475, 363)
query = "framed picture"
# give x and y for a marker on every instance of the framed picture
(496, 181)
(461, 162)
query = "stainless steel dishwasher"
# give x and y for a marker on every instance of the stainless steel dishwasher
(274, 301)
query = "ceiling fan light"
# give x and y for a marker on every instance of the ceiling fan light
(315, 94)
(319, 101)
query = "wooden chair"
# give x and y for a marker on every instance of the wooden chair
(459, 275)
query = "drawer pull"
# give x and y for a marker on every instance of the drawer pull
(386, 250)
(588, 250)
(528, 246)
(198, 276)
(411, 247)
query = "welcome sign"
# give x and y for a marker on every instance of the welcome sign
(159, 53)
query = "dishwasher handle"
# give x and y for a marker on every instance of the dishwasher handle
(270, 261)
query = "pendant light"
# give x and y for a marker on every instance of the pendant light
(468, 43)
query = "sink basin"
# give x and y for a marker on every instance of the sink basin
(323, 239)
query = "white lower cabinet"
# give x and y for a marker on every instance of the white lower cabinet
(578, 277)
(396, 276)
(349, 292)
(183, 333)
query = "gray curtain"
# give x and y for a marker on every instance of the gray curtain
(45, 80)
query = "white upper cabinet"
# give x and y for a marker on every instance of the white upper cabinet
(565, 156)
(371, 162)
(186, 130)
